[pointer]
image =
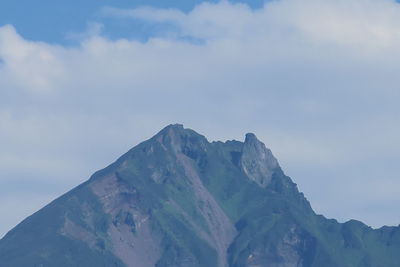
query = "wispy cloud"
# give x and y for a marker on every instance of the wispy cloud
(361, 23)
(147, 13)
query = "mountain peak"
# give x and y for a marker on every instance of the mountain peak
(251, 137)
(180, 139)
(257, 161)
(172, 128)
(178, 200)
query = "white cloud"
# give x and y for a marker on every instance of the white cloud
(316, 80)
(357, 23)
(33, 66)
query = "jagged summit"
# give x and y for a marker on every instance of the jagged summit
(249, 137)
(176, 127)
(175, 137)
(257, 161)
(179, 200)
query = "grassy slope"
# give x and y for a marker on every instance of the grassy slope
(37, 240)
(262, 217)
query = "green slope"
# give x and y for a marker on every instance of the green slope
(179, 200)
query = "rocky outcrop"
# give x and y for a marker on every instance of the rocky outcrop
(257, 161)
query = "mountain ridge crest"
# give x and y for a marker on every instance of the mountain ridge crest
(178, 200)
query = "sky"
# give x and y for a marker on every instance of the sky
(316, 80)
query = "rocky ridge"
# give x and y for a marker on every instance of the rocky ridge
(179, 200)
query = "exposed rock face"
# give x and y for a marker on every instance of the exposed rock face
(257, 161)
(179, 200)
(289, 251)
(130, 233)
(221, 229)
(186, 147)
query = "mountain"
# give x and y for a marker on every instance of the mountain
(179, 200)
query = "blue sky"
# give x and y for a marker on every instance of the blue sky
(55, 20)
(316, 80)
